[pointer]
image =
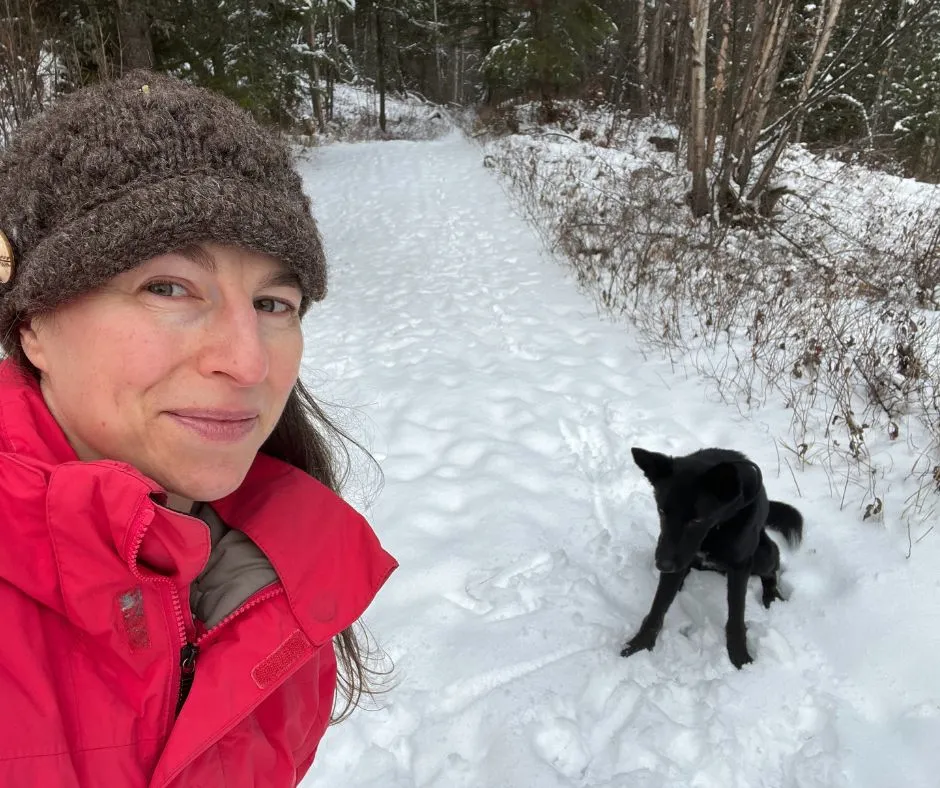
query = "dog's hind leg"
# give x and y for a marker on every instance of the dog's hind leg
(645, 638)
(767, 565)
(735, 630)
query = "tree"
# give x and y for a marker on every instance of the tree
(133, 28)
(741, 78)
(380, 62)
(27, 70)
(697, 163)
(251, 51)
(550, 47)
(828, 14)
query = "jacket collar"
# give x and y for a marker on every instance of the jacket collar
(326, 555)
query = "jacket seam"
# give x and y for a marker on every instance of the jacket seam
(4, 434)
(171, 688)
(66, 607)
(55, 547)
(72, 750)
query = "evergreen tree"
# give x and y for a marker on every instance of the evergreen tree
(551, 47)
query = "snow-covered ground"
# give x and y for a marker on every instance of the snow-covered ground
(356, 116)
(502, 410)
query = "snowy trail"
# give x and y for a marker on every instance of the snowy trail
(502, 410)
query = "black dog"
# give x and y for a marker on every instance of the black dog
(712, 511)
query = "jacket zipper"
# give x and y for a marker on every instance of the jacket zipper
(188, 656)
(262, 595)
(189, 652)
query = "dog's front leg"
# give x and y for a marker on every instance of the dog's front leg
(735, 631)
(645, 638)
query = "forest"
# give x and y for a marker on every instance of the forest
(858, 76)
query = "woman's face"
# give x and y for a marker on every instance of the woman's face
(180, 367)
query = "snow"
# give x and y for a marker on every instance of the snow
(356, 113)
(502, 410)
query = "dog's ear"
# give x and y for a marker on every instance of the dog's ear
(752, 480)
(655, 466)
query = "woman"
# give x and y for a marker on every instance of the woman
(178, 577)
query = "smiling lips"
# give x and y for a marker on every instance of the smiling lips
(225, 426)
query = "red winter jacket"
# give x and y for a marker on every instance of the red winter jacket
(93, 638)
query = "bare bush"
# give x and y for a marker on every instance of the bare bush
(27, 70)
(836, 321)
(356, 118)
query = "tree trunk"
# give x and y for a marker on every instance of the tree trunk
(642, 104)
(380, 65)
(734, 127)
(438, 67)
(767, 47)
(315, 93)
(136, 47)
(827, 23)
(721, 79)
(767, 81)
(655, 68)
(820, 19)
(877, 110)
(675, 95)
(393, 69)
(822, 43)
(542, 30)
(697, 161)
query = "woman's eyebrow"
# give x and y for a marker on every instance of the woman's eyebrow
(200, 256)
(282, 277)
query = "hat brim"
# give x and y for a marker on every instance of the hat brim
(156, 218)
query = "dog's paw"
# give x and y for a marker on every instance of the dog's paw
(642, 641)
(739, 656)
(769, 598)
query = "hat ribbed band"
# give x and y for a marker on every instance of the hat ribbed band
(162, 217)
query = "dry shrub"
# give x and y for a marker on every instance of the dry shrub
(845, 334)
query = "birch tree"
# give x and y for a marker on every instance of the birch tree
(828, 14)
(697, 162)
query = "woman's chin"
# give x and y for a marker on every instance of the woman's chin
(206, 487)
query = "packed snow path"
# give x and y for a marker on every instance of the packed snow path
(502, 410)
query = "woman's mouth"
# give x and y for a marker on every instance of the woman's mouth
(217, 425)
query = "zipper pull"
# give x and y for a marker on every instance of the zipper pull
(187, 673)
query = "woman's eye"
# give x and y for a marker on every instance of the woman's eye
(166, 289)
(274, 305)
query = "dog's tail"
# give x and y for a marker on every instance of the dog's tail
(788, 521)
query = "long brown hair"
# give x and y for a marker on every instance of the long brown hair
(306, 438)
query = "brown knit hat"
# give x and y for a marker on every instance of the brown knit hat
(129, 169)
